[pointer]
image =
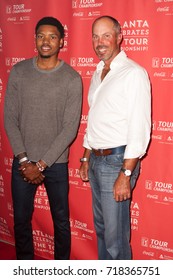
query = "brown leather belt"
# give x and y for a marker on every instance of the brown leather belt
(111, 151)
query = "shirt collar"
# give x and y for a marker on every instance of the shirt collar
(115, 61)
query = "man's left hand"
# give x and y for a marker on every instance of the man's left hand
(122, 189)
(31, 173)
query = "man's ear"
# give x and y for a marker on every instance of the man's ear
(61, 43)
(119, 38)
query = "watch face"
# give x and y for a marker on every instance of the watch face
(127, 172)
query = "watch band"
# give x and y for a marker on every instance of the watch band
(84, 159)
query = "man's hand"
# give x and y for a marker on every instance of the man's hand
(83, 171)
(122, 189)
(31, 173)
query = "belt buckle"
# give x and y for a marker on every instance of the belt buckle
(101, 151)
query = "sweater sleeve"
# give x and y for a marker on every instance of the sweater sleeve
(11, 113)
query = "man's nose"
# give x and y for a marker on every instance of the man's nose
(46, 39)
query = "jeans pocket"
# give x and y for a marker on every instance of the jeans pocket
(115, 160)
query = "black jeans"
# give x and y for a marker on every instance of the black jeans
(23, 193)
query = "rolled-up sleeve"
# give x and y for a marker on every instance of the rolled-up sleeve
(139, 113)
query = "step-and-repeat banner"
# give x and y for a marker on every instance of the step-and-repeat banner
(147, 29)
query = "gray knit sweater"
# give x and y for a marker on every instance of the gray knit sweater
(42, 110)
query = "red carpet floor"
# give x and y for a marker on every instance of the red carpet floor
(7, 252)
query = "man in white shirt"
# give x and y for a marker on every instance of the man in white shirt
(118, 134)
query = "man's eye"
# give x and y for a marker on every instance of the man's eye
(39, 36)
(107, 36)
(95, 37)
(53, 37)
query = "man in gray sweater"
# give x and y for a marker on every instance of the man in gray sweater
(42, 113)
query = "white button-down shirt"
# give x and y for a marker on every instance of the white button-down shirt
(120, 108)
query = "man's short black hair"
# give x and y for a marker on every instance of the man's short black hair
(51, 21)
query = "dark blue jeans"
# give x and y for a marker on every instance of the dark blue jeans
(23, 193)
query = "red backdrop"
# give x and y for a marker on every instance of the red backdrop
(147, 28)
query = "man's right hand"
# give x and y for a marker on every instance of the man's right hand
(83, 171)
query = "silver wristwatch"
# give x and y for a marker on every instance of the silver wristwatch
(126, 172)
(84, 159)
